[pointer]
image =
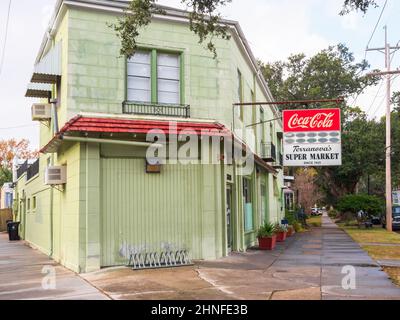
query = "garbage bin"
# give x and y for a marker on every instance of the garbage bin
(13, 231)
(8, 228)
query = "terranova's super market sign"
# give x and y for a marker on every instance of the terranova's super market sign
(312, 138)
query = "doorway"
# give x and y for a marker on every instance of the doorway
(229, 229)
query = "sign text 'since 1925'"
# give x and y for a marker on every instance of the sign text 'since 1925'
(312, 138)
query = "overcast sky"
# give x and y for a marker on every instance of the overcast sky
(274, 28)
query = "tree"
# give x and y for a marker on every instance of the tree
(308, 191)
(204, 18)
(8, 150)
(353, 203)
(333, 73)
(354, 5)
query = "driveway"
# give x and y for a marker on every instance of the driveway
(307, 266)
(26, 273)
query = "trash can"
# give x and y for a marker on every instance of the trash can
(8, 228)
(13, 231)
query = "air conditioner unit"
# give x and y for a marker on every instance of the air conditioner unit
(55, 175)
(41, 111)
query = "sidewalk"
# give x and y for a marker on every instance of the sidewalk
(307, 267)
(21, 276)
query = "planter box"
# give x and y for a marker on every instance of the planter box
(290, 232)
(281, 236)
(267, 243)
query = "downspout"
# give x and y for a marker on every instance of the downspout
(54, 117)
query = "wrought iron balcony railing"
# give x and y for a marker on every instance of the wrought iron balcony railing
(268, 152)
(278, 164)
(165, 110)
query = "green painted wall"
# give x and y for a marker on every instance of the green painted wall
(93, 80)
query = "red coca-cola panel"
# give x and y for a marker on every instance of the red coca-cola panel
(311, 120)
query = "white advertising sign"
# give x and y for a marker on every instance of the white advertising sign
(312, 138)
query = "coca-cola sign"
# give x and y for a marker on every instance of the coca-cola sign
(311, 120)
(312, 138)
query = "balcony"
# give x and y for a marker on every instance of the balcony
(163, 110)
(278, 164)
(268, 152)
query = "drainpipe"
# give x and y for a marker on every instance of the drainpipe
(54, 117)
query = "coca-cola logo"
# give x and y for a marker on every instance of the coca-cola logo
(318, 121)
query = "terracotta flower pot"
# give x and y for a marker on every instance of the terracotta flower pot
(290, 232)
(281, 236)
(267, 243)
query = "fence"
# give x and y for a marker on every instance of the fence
(5, 214)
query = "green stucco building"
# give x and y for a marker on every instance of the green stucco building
(116, 200)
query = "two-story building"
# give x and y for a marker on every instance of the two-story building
(106, 111)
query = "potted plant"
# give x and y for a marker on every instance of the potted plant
(281, 232)
(266, 237)
(290, 231)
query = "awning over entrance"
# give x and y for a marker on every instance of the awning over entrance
(89, 124)
(82, 124)
(38, 90)
(48, 69)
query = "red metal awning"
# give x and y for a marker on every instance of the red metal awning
(85, 124)
(115, 125)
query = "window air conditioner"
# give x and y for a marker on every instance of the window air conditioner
(55, 175)
(41, 111)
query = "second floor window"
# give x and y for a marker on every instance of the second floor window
(139, 77)
(154, 77)
(168, 83)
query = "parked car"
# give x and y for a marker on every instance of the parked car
(316, 212)
(375, 220)
(395, 217)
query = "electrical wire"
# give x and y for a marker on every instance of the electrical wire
(5, 38)
(17, 127)
(376, 27)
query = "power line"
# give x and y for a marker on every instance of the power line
(17, 127)
(376, 26)
(5, 37)
(376, 96)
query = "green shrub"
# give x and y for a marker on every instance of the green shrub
(351, 204)
(290, 217)
(297, 227)
(267, 230)
(332, 213)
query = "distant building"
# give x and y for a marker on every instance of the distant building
(6, 195)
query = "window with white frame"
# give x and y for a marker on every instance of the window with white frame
(139, 77)
(154, 77)
(168, 78)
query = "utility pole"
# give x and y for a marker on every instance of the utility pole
(388, 51)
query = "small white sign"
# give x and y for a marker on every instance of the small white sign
(396, 197)
(303, 155)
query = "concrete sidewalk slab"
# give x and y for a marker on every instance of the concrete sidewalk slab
(22, 273)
